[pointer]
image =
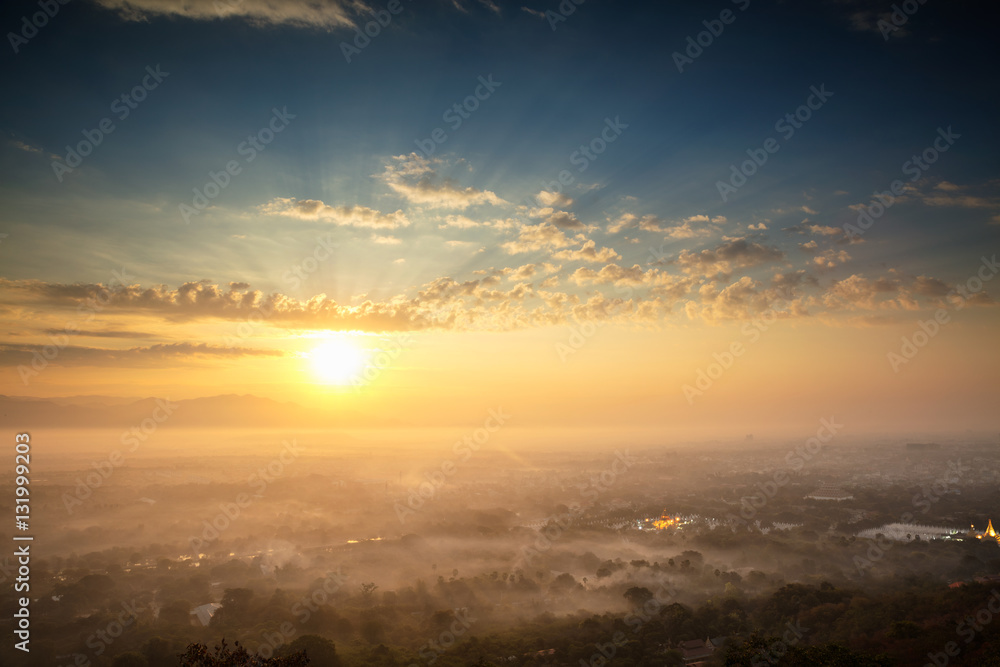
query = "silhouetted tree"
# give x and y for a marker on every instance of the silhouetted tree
(199, 655)
(130, 659)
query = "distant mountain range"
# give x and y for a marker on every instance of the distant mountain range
(229, 411)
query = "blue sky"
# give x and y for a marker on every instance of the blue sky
(605, 60)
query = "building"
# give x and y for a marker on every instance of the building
(906, 532)
(829, 493)
(989, 533)
(204, 613)
(696, 650)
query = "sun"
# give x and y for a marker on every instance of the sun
(338, 361)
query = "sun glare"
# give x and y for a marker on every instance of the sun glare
(338, 361)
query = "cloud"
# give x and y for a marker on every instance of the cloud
(521, 273)
(327, 14)
(27, 148)
(488, 4)
(588, 253)
(737, 253)
(353, 216)
(947, 194)
(742, 300)
(616, 275)
(959, 200)
(829, 259)
(788, 281)
(928, 286)
(537, 237)
(560, 199)
(104, 334)
(863, 19)
(651, 223)
(836, 234)
(415, 178)
(154, 355)
(857, 291)
(459, 221)
(563, 219)
(385, 240)
(204, 300)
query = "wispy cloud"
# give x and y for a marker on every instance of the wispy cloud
(415, 178)
(353, 216)
(327, 14)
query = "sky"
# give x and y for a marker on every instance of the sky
(694, 217)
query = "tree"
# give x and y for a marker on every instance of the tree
(564, 583)
(367, 590)
(159, 652)
(638, 596)
(235, 608)
(176, 612)
(198, 655)
(130, 659)
(372, 630)
(319, 650)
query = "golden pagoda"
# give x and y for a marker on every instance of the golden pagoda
(990, 532)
